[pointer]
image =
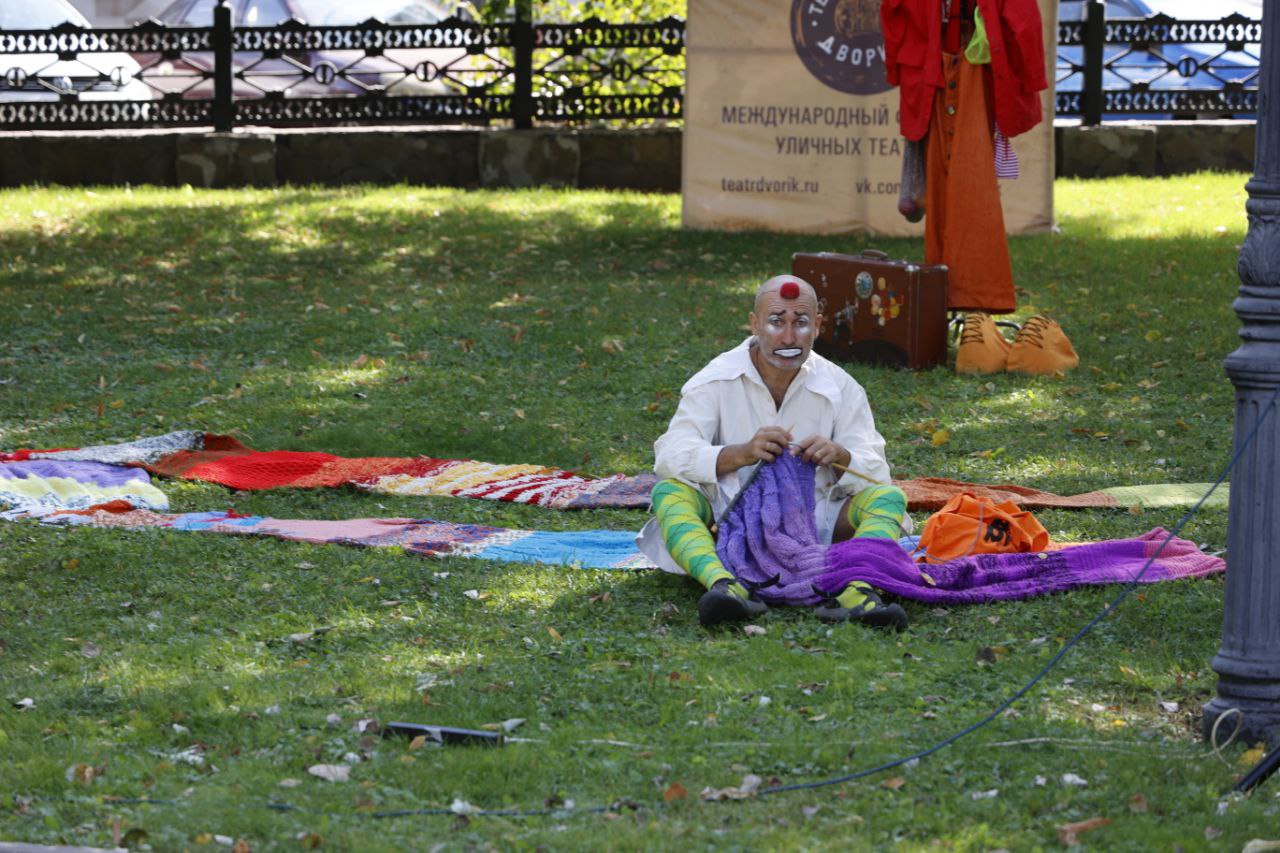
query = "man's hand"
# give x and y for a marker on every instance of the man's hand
(821, 451)
(765, 446)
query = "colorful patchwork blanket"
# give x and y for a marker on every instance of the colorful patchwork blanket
(38, 487)
(587, 549)
(222, 459)
(214, 458)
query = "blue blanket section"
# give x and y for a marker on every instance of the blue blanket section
(206, 520)
(589, 549)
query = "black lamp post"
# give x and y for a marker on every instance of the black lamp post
(1248, 661)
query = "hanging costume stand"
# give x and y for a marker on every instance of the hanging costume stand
(969, 73)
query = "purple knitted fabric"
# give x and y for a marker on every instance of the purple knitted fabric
(771, 534)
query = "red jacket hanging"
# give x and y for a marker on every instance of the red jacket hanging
(913, 60)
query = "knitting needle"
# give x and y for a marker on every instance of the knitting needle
(840, 467)
(742, 491)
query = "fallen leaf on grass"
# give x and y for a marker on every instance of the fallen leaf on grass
(505, 726)
(134, 838)
(82, 773)
(1251, 756)
(309, 840)
(1068, 833)
(893, 783)
(940, 437)
(746, 790)
(555, 635)
(990, 654)
(331, 772)
(1260, 845)
(1138, 804)
(674, 792)
(91, 650)
(290, 783)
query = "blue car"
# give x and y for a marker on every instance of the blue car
(1157, 68)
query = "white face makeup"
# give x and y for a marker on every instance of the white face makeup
(785, 332)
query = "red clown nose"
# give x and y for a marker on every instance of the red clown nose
(789, 290)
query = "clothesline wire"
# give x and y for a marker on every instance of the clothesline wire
(888, 765)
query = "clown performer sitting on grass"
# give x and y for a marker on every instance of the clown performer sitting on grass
(767, 396)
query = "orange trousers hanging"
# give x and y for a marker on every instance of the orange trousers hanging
(964, 224)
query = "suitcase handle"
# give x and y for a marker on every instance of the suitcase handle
(874, 253)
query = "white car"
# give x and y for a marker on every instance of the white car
(45, 77)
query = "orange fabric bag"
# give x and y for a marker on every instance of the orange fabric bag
(969, 524)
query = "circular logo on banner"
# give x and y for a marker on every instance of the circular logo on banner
(839, 42)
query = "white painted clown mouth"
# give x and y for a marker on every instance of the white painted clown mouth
(790, 352)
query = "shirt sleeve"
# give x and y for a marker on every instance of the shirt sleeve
(855, 431)
(893, 26)
(688, 451)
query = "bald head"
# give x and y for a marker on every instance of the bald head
(785, 323)
(786, 288)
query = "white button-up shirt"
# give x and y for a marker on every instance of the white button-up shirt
(727, 402)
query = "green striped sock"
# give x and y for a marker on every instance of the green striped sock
(684, 517)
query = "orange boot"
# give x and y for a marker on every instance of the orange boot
(1041, 347)
(982, 348)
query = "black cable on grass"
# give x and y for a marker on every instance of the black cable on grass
(1066, 647)
(970, 729)
(888, 765)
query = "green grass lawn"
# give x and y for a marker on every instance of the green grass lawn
(557, 328)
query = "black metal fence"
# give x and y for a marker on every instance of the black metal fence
(522, 72)
(1157, 66)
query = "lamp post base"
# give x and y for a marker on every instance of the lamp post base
(1258, 721)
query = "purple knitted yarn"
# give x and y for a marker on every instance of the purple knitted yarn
(771, 533)
(992, 577)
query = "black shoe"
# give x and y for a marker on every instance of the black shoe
(723, 604)
(871, 611)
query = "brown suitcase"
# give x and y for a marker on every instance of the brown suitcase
(878, 310)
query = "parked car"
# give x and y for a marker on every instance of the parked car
(47, 77)
(1160, 67)
(409, 71)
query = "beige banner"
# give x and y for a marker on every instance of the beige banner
(769, 145)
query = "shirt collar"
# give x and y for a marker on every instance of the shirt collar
(814, 373)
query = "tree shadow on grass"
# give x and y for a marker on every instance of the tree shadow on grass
(540, 329)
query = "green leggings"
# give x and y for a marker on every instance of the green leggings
(877, 512)
(685, 519)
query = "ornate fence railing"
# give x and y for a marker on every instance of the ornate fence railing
(522, 72)
(1156, 66)
(454, 71)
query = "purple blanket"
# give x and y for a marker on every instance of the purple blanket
(770, 538)
(97, 473)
